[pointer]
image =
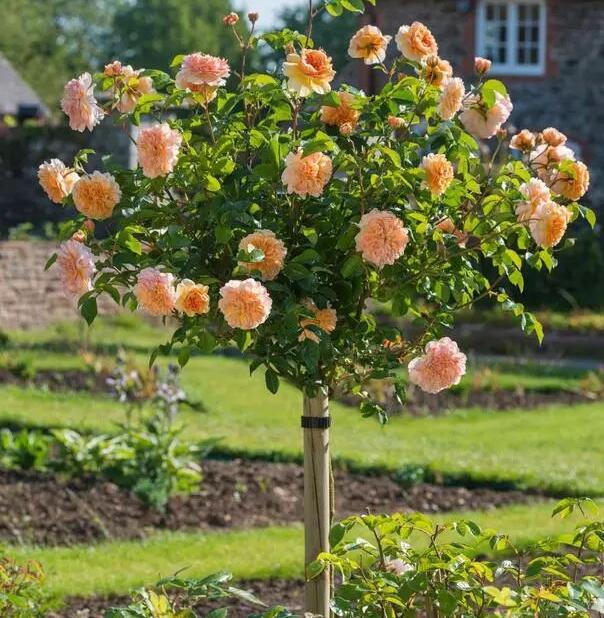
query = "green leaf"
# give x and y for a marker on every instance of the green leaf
(212, 183)
(352, 267)
(89, 309)
(51, 260)
(334, 8)
(354, 6)
(272, 380)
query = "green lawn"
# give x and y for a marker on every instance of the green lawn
(116, 567)
(553, 448)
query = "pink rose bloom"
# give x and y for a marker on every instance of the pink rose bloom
(306, 175)
(245, 304)
(76, 268)
(56, 179)
(534, 192)
(79, 104)
(382, 238)
(155, 291)
(202, 69)
(442, 366)
(157, 149)
(484, 123)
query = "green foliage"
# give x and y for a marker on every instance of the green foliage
(21, 589)
(405, 565)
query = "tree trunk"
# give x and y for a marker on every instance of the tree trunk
(317, 507)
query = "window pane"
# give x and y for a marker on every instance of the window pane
(496, 32)
(529, 34)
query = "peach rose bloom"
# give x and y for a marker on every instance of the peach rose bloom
(553, 137)
(154, 291)
(79, 104)
(535, 192)
(308, 72)
(274, 253)
(245, 304)
(441, 367)
(192, 298)
(96, 195)
(439, 173)
(451, 98)
(202, 69)
(484, 123)
(76, 268)
(382, 238)
(306, 175)
(525, 140)
(447, 226)
(416, 42)
(437, 71)
(57, 179)
(482, 65)
(369, 44)
(574, 185)
(549, 223)
(324, 319)
(343, 114)
(157, 149)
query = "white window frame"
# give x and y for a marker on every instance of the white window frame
(511, 67)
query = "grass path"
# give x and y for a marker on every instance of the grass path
(553, 448)
(116, 567)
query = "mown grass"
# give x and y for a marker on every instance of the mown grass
(117, 567)
(555, 448)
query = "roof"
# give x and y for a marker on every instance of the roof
(15, 91)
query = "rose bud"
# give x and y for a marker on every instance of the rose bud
(253, 17)
(231, 19)
(482, 65)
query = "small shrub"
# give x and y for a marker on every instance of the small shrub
(21, 589)
(25, 450)
(409, 565)
(176, 597)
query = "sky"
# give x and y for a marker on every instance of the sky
(268, 9)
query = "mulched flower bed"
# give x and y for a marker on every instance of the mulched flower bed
(418, 402)
(272, 592)
(39, 508)
(76, 380)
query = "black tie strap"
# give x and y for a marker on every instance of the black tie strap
(316, 422)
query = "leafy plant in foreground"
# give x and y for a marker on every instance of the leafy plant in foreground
(21, 593)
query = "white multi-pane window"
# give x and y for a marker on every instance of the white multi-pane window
(512, 33)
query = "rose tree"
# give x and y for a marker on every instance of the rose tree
(268, 209)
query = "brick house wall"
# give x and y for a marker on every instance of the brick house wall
(570, 94)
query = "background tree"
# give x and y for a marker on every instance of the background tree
(151, 32)
(48, 41)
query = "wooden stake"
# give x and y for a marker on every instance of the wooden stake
(317, 508)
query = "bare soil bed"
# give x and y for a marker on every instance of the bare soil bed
(272, 592)
(40, 508)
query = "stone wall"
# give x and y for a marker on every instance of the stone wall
(29, 296)
(570, 96)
